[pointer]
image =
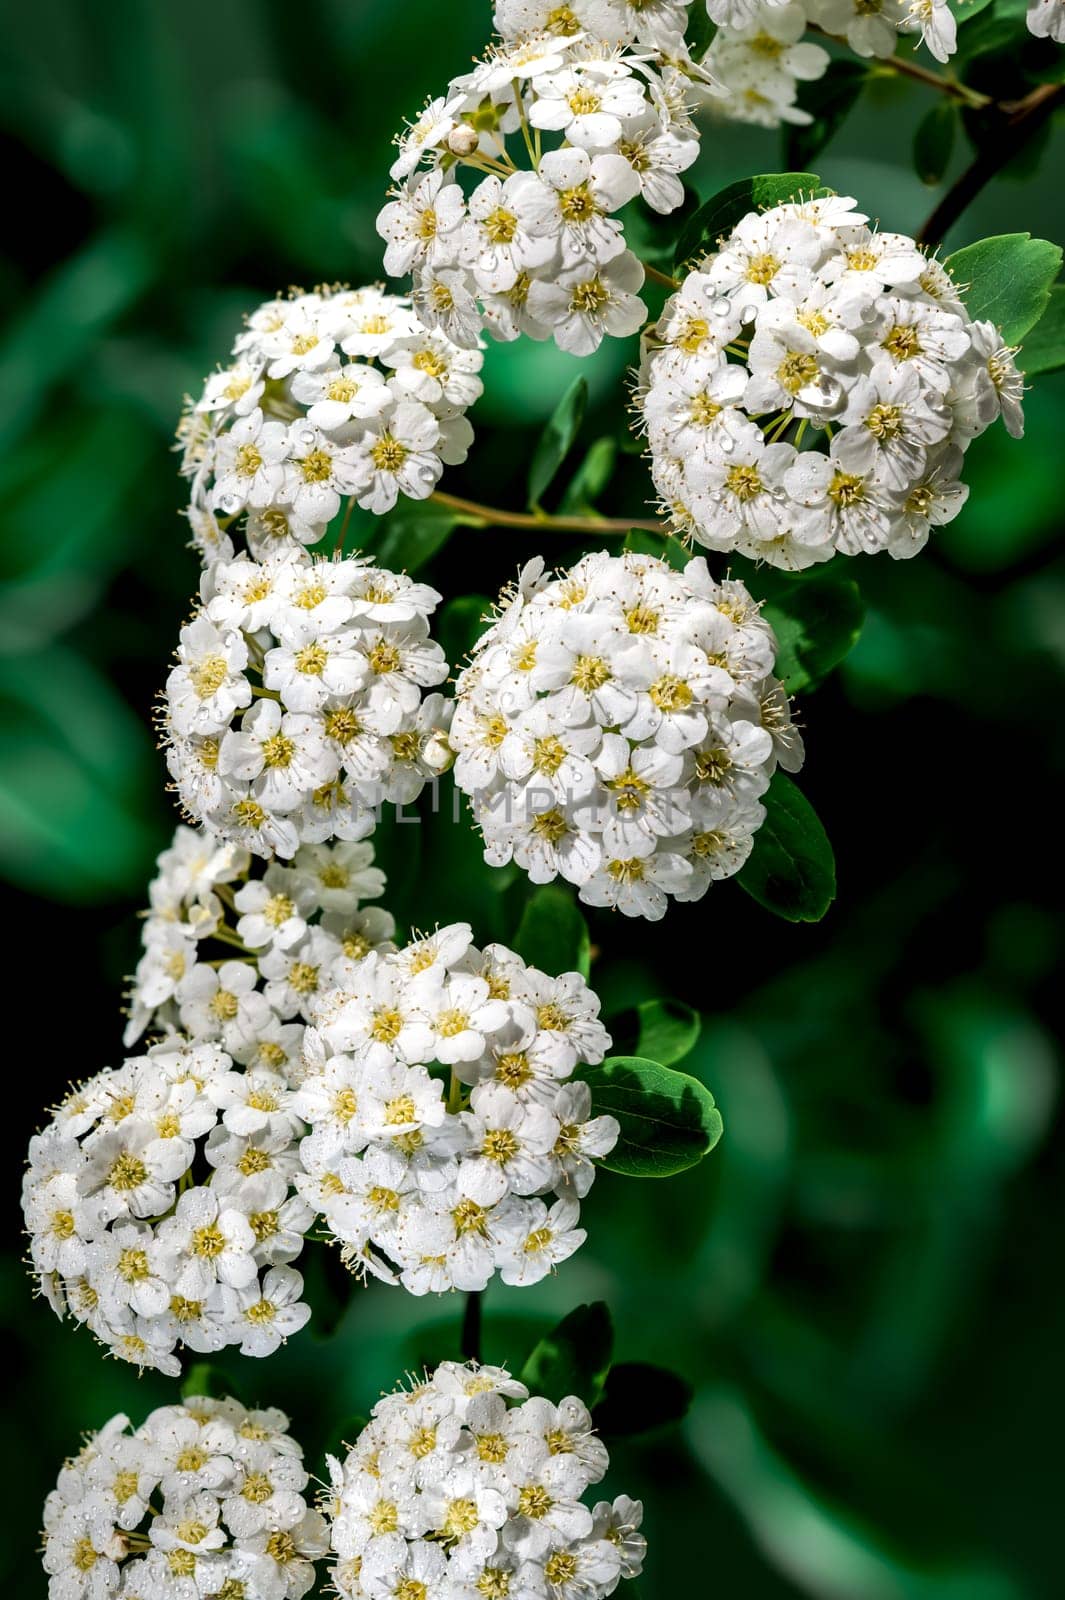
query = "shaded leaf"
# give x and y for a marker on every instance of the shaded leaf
(639, 1396)
(668, 1120)
(817, 622)
(828, 100)
(1043, 349)
(721, 214)
(552, 934)
(203, 1378)
(668, 1029)
(791, 869)
(574, 1358)
(1007, 280)
(933, 141)
(590, 478)
(413, 533)
(555, 442)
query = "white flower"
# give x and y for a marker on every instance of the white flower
(248, 465)
(397, 456)
(265, 1314)
(421, 224)
(855, 363)
(584, 303)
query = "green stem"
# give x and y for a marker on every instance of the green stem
(660, 277)
(529, 519)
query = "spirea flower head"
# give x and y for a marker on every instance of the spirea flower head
(204, 1498)
(296, 705)
(813, 386)
(558, 127)
(464, 1485)
(449, 1139)
(338, 393)
(160, 1204)
(235, 957)
(616, 727)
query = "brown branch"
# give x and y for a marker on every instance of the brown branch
(1018, 122)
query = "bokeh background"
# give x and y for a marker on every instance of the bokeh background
(863, 1281)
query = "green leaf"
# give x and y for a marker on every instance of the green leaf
(828, 100)
(933, 141)
(662, 546)
(574, 1358)
(204, 1379)
(653, 236)
(791, 870)
(639, 1396)
(462, 621)
(700, 32)
(555, 442)
(552, 934)
(817, 622)
(590, 479)
(669, 1121)
(992, 26)
(1043, 349)
(413, 533)
(1007, 280)
(668, 1030)
(721, 214)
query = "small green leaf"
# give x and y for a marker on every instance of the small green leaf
(204, 1379)
(827, 100)
(992, 26)
(700, 32)
(462, 621)
(555, 442)
(413, 533)
(668, 1030)
(933, 142)
(639, 1396)
(721, 214)
(817, 622)
(1007, 280)
(574, 1358)
(590, 479)
(552, 934)
(1043, 349)
(791, 870)
(662, 546)
(669, 1121)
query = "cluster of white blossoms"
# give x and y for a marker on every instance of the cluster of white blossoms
(448, 1139)
(463, 1488)
(537, 246)
(338, 393)
(204, 1498)
(290, 934)
(160, 1206)
(812, 387)
(617, 725)
(296, 706)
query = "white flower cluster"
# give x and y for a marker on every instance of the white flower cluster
(338, 393)
(290, 935)
(464, 1488)
(812, 387)
(617, 725)
(759, 57)
(295, 708)
(161, 1210)
(537, 247)
(442, 1110)
(938, 24)
(204, 1498)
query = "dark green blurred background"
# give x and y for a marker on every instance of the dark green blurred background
(863, 1281)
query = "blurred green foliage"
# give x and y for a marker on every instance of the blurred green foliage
(861, 1283)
